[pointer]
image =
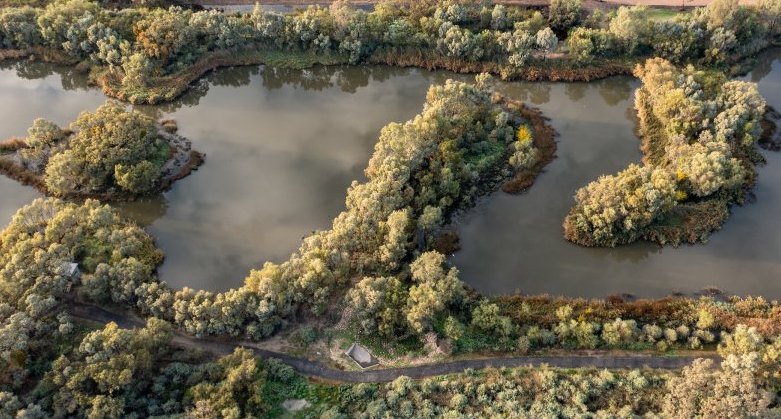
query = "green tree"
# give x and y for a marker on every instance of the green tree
(107, 364)
(110, 147)
(546, 41)
(615, 209)
(43, 139)
(563, 14)
(632, 26)
(435, 288)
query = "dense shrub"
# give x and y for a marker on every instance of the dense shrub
(699, 133)
(109, 152)
(19, 28)
(616, 209)
(110, 147)
(563, 14)
(114, 372)
(36, 249)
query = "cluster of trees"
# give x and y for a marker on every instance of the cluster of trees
(111, 149)
(739, 388)
(140, 45)
(721, 33)
(110, 372)
(114, 373)
(699, 134)
(747, 383)
(497, 326)
(36, 251)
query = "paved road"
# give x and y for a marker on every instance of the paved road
(316, 369)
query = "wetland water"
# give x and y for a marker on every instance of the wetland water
(282, 146)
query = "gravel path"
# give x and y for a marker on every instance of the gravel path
(316, 369)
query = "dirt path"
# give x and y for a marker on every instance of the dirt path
(588, 4)
(315, 369)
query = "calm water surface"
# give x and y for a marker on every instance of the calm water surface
(281, 149)
(282, 146)
(515, 242)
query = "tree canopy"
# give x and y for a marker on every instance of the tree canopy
(110, 148)
(699, 134)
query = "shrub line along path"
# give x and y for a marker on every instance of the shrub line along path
(317, 370)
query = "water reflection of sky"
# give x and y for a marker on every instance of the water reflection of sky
(283, 145)
(514, 243)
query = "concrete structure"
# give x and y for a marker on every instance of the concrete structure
(361, 356)
(294, 405)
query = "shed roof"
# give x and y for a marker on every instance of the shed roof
(70, 269)
(361, 356)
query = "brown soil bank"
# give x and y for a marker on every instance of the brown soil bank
(167, 88)
(771, 138)
(558, 69)
(44, 54)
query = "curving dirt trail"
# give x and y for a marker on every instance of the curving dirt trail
(315, 369)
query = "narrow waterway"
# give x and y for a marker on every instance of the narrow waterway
(282, 147)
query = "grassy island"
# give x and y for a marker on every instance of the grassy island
(111, 153)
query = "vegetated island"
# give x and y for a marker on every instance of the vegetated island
(699, 135)
(151, 55)
(110, 154)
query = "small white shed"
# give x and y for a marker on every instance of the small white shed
(361, 356)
